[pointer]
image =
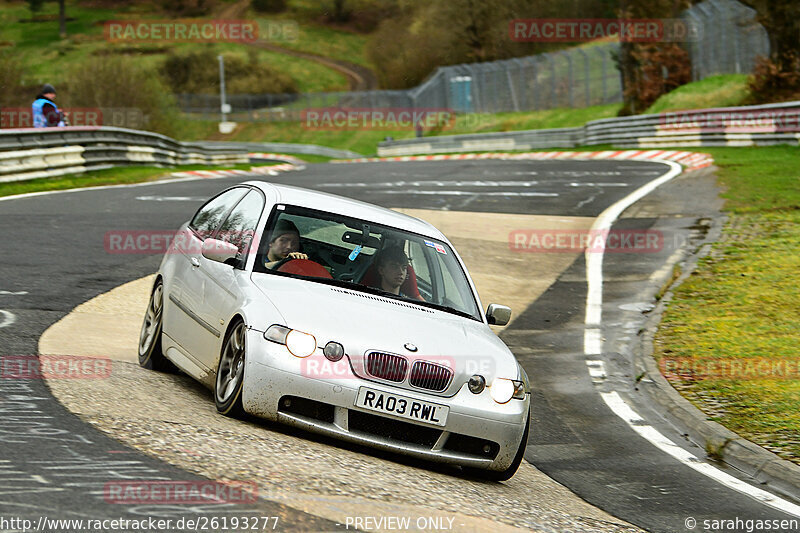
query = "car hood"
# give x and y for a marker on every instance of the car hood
(363, 322)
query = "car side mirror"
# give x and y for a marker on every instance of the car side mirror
(498, 315)
(219, 251)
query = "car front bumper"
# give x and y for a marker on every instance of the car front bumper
(317, 395)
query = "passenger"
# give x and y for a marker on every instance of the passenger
(392, 265)
(284, 242)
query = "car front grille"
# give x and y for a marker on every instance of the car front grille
(430, 376)
(388, 428)
(387, 366)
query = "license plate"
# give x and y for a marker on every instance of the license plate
(402, 406)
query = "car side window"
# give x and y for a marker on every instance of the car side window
(208, 217)
(239, 227)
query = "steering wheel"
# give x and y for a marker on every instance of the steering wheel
(302, 267)
(280, 263)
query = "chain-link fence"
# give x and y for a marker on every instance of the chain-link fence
(578, 77)
(726, 39)
(730, 39)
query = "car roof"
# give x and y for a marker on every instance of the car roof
(290, 195)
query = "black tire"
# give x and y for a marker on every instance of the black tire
(508, 473)
(150, 354)
(230, 372)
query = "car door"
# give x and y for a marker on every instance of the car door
(221, 289)
(183, 321)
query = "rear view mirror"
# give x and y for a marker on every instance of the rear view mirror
(498, 315)
(219, 251)
(355, 237)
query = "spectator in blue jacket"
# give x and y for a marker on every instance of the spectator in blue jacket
(45, 112)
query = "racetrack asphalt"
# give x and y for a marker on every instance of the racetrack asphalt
(57, 260)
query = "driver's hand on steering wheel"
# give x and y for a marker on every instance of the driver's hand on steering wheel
(297, 255)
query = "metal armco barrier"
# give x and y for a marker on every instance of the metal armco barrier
(33, 153)
(731, 126)
(282, 148)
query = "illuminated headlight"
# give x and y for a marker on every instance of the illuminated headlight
(503, 390)
(476, 384)
(333, 351)
(298, 343)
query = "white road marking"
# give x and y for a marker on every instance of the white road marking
(594, 259)
(597, 184)
(468, 193)
(593, 345)
(636, 422)
(433, 183)
(6, 318)
(597, 370)
(172, 198)
(14, 293)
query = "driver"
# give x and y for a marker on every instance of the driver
(284, 243)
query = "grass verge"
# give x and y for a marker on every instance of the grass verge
(112, 176)
(723, 90)
(366, 141)
(733, 325)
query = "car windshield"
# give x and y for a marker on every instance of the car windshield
(329, 248)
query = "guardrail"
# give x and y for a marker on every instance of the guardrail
(283, 148)
(730, 126)
(33, 153)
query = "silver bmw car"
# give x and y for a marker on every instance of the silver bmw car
(342, 318)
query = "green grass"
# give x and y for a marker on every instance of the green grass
(338, 43)
(741, 302)
(366, 142)
(715, 91)
(49, 59)
(112, 176)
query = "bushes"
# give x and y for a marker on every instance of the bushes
(188, 8)
(269, 6)
(10, 80)
(659, 68)
(198, 73)
(114, 82)
(771, 82)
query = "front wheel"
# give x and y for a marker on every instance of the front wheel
(230, 372)
(150, 354)
(508, 473)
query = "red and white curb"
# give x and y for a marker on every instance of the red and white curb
(690, 160)
(277, 157)
(272, 170)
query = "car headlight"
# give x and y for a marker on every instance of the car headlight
(502, 390)
(298, 343)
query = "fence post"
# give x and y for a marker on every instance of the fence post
(586, 74)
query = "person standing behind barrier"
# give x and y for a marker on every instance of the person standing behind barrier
(45, 112)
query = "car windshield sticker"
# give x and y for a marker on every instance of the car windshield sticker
(438, 247)
(355, 252)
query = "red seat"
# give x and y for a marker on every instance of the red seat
(305, 267)
(409, 286)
